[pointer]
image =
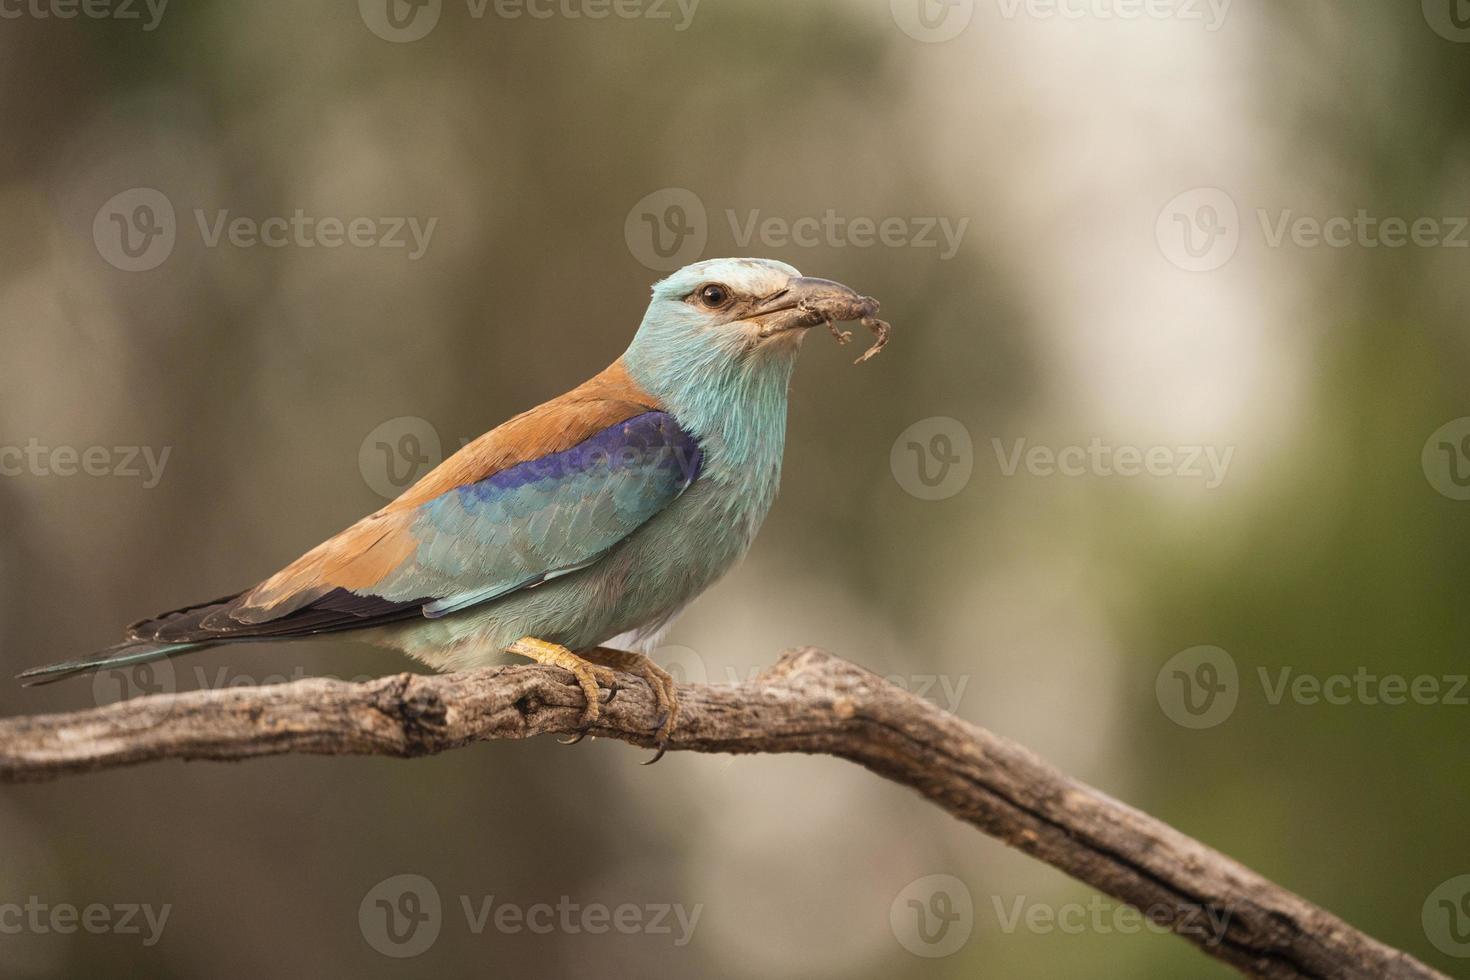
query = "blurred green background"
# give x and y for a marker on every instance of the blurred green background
(1119, 184)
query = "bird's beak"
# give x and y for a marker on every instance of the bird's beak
(806, 302)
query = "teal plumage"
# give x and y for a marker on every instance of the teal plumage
(598, 515)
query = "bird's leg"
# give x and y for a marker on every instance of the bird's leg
(659, 680)
(588, 675)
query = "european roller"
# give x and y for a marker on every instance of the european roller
(574, 533)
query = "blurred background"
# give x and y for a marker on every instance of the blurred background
(1172, 428)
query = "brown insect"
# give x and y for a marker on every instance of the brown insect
(834, 310)
(822, 301)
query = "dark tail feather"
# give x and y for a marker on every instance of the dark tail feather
(122, 655)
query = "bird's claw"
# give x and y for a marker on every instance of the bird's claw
(591, 677)
(659, 681)
(663, 739)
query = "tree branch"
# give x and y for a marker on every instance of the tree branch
(809, 702)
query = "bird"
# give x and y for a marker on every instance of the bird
(574, 533)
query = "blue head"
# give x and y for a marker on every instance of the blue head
(719, 342)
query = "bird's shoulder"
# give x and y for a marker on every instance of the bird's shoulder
(609, 397)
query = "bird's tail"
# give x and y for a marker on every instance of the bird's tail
(122, 655)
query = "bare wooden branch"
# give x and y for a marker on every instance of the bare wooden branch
(809, 702)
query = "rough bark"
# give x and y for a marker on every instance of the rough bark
(809, 702)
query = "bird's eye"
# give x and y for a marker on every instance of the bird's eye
(714, 295)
